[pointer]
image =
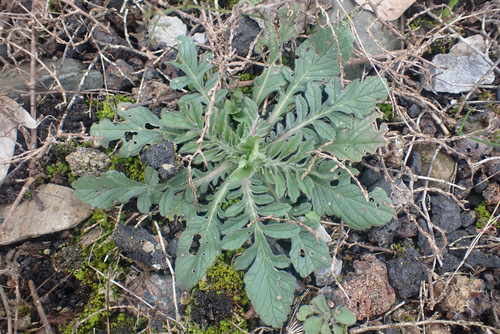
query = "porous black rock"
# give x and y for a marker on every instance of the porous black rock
(161, 157)
(406, 272)
(140, 246)
(445, 213)
(246, 32)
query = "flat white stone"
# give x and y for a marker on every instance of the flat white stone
(52, 209)
(164, 30)
(460, 69)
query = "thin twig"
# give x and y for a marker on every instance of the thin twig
(39, 308)
(6, 307)
(172, 272)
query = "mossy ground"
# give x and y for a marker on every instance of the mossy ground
(222, 279)
(98, 260)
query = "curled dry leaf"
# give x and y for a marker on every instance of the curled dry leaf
(12, 115)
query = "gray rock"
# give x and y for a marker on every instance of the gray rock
(86, 161)
(325, 276)
(120, 76)
(467, 218)
(445, 213)
(245, 34)
(162, 158)
(405, 228)
(406, 272)
(383, 235)
(140, 246)
(415, 163)
(483, 259)
(369, 177)
(473, 148)
(460, 69)
(450, 263)
(69, 74)
(164, 30)
(481, 184)
(52, 209)
(401, 194)
(442, 169)
(374, 36)
(156, 289)
(414, 111)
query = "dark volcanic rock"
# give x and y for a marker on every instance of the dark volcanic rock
(406, 272)
(467, 218)
(383, 235)
(140, 246)
(369, 177)
(445, 213)
(162, 158)
(245, 34)
(414, 111)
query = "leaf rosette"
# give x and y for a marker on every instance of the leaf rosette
(264, 164)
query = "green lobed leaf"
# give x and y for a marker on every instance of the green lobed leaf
(280, 230)
(346, 201)
(308, 253)
(345, 316)
(304, 312)
(359, 98)
(270, 290)
(187, 61)
(317, 60)
(243, 261)
(355, 142)
(313, 325)
(192, 262)
(320, 303)
(138, 128)
(114, 187)
(336, 329)
(235, 239)
(270, 81)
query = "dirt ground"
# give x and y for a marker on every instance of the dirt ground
(438, 257)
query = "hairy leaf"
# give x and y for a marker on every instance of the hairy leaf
(355, 142)
(197, 249)
(347, 201)
(270, 290)
(114, 187)
(187, 61)
(139, 127)
(309, 253)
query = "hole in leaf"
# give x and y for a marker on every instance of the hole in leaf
(345, 149)
(372, 200)
(150, 126)
(195, 244)
(302, 253)
(129, 135)
(311, 253)
(335, 183)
